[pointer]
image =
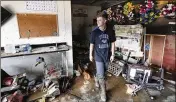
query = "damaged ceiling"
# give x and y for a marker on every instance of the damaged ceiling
(95, 2)
(101, 2)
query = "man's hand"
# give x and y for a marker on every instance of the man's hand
(112, 58)
(91, 58)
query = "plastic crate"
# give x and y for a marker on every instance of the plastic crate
(115, 67)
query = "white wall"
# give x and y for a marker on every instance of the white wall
(10, 31)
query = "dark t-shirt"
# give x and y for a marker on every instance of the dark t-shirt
(102, 43)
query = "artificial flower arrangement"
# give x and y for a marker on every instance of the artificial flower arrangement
(145, 13)
(128, 10)
(169, 10)
(148, 12)
(115, 14)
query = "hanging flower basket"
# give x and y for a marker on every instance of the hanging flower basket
(169, 10)
(128, 10)
(115, 15)
(148, 12)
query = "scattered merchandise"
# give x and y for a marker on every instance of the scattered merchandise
(54, 83)
(77, 72)
(133, 31)
(128, 7)
(12, 83)
(53, 90)
(148, 12)
(169, 10)
(9, 48)
(16, 97)
(65, 83)
(115, 67)
(131, 88)
(108, 74)
(25, 48)
(145, 13)
(115, 15)
(35, 85)
(43, 99)
(129, 11)
(83, 67)
(129, 38)
(142, 76)
(86, 75)
(13, 88)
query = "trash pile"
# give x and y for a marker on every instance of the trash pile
(13, 87)
(131, 88)
(18, 88)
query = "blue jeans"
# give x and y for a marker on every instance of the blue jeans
(101, 67)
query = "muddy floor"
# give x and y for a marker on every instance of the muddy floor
(116, 92)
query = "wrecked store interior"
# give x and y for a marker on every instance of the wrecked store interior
(45, 51)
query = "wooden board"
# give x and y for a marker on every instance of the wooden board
(169, 53)
(37, 25)
(156, 49)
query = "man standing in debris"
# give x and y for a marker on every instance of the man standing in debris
(102, 43)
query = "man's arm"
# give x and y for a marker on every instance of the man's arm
(91, 52)
(113, 48)
(112, 51)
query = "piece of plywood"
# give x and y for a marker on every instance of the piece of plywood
(169, 53)
(156, 52)
(37, 25)
(159, 45)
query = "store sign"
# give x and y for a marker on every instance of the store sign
(80, 12)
